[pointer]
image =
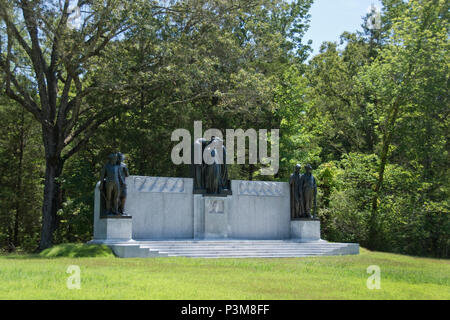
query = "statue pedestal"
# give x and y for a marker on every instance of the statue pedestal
(110, 227)
(305, 229)
(211, 216)
(113, 228)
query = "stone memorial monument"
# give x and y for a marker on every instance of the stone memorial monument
(201, 217)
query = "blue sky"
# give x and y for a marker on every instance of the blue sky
(330, 18)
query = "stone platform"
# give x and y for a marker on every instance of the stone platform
(167, 219)
(229, 248)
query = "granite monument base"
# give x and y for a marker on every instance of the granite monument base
(114, 227)
(110, 227)
(305, 229)
(214, 212)
(168, 219)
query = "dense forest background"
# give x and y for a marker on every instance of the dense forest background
(370, 112)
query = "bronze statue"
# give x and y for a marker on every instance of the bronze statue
(123, 173)
(297, 208)
(212, 177)
(110, 184)
(213, 172)
(225, 183)
(198, 169)
(309, 191)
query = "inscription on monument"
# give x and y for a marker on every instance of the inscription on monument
(260, 188)
(215, 206)
(158, 184)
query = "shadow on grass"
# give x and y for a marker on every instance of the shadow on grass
(68, 250)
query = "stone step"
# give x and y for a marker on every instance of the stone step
(233, 248)
(249, 255)
(179, 244)
(243, 250)
(240, 246)
(231, 241)
(207, 243)
(292, 252)
(246, 248)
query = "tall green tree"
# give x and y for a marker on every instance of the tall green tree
(412, 65)
(44, 59)
(374, 120)
(21, 167)
(74, 74)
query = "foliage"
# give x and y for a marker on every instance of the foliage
(377, 110)
(77, 250)
(129, 62)
(21, 168)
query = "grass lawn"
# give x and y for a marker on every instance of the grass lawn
(107, 277)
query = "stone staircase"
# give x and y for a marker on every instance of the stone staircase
(232, 248)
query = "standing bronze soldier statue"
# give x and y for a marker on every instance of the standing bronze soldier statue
(309, 191)
(211, 177)
(110, 185)
(296, 194)
(213, 170)
(123, 174)
(198, 169)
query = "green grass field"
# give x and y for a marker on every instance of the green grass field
(107, 277)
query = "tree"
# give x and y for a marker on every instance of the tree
(383, 98)
(405, 71)
(53, 59)
(44, 62)
(221, 71)
(21, 166)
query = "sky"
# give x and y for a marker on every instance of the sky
(330, 18)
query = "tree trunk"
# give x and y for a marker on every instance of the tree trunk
(18, 214)
(373, 223)
(52, 187)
